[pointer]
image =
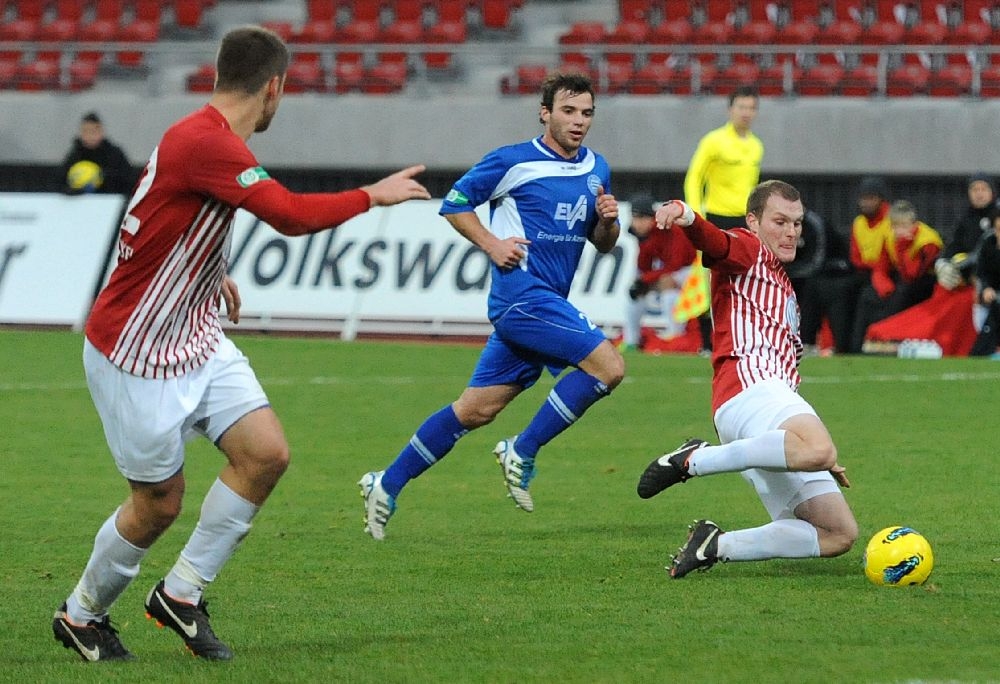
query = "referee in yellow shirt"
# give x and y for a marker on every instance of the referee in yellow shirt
(725, 167)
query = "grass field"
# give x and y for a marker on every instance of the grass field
(466, 588)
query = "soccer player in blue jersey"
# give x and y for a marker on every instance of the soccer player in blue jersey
(547, 197)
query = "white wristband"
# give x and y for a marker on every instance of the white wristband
(687, 217)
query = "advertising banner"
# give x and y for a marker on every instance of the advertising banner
(52, 253)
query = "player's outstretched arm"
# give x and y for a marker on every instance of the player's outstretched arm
(397, 188)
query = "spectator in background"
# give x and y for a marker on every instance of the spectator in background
(870, 232)
(663, 264)
(987, 282)
(904, 273)
(825, 283)
(95, 164)
(956, 266)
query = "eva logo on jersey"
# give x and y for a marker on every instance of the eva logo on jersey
(571, 213)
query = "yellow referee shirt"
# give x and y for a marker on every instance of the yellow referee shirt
(724, 170)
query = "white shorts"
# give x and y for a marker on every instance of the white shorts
(759, 409)
(147, 422)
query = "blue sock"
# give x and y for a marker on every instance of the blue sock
(432, 441)
(567, 401)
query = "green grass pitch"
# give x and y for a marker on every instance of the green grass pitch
(466, 588)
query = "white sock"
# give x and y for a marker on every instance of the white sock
(763, 451)
(225, 521)
(778, 539)
(113, 564)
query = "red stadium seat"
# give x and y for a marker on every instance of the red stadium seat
(315, 31)
(136, 32)
(636, 10)
(844, 24)
(717, 28)
(615, 78)
(989, 76)
(753, 27)
(8, 73)
(202, 79)
(364, 26)
(623, 38)
(384, 78)
(910, 77)
(801, 22)
(321, 10)
(742, 71)
(82, 74)
(348, 76)
(527, 80)
(779, 76)
(450, 27)
(189, 13)
(952, 79)
(886, 27)
(38, 75)
(676, 27)
(823, 76)
(971, 22)
(304, 76)
(498, 15)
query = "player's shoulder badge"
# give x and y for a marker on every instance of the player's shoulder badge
(455, 196)
(251, 176)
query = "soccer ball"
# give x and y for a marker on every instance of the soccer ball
(85, 176)
(898, 556)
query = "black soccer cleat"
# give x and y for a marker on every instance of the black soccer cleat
(668, 470)
(700, 551)
(94, 641)
(189, 621)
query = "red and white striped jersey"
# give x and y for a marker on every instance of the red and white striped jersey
(756, 318)
(158, 316)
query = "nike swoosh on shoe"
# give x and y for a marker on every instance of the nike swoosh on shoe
(190, 629)
(700, 551)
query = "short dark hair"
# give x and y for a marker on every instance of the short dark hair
(743, 91)
(760, 194)
(249, 57)
(91, 117)
(571, 82)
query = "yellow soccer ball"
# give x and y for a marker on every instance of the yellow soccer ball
(85, 176)
(898, 556)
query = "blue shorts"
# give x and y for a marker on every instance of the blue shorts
(529, 336)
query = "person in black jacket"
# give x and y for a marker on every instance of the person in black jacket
(957, 264)
(95, 164)
(987, 282)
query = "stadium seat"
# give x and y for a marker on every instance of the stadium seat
(884, 26)
(840, 22)
(527, 80)
(8, 73)
(37, 75)
(952, 78)
(623, 38)
(202, 79)
(799, 21)
(305, 76)
(615, 78)
(498, 15)
(717, 27)
(449, 27)
(82, 74)
(364, 25)
(103, 27)
(384, 78)
(681, 76)
(676, 27)
(861, 76)
(315, 31)
(321, 10)
(989, 75)
(742, 70)
(407, 25)
(823, 76)
(972, 23)
(189, 14)
(910, 77)
(636, 11)
(136, 32)
(348, 76)
(779, 75)
(752, 26)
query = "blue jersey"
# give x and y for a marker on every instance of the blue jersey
(536, 194)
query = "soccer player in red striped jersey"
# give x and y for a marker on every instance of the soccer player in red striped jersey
(160, 369)
(767, 431)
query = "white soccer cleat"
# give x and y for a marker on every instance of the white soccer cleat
(379, 506)
(517, 473)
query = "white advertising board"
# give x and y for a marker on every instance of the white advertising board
(399, 269)
(52, 252)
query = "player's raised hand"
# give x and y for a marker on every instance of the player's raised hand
(398, 187)
(607, 206)
(673, 213)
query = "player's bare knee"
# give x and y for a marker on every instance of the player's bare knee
(820, 455)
